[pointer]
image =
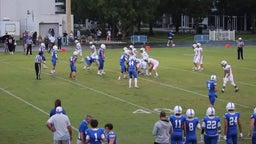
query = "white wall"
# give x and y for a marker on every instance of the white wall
(32, 12)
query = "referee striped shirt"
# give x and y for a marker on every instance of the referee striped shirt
(38, 59)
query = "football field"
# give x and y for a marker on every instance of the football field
(26, 102)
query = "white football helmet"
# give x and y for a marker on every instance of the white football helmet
(194, 46)
(213, 77)
(90, 42)
(75, 53)
(230, 106)
(125, 48)
(210, 111)
(42, 45)
(131, 46)
(103, 46)
(76, 41)
(177, 110)
(190, 113)
(223, 63)
(254, 110)
(198, 44)
(55, 47)
(142, 49)
(240, 38)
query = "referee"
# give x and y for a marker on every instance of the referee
(38, 61)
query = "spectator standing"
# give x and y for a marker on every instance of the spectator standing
(108, 35)
(57, 103)
(64, 38)
(231, 121)
(10, 44)
(59, 42)
(82, 129)
(162, 129)
(60, 125)
(110, 134)
(38, 61)
(240, 49)
(46, 42)
(29, 43)
(252, 127)
(6, 49)
(25, 37)
(34, 37)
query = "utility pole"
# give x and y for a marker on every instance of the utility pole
(68, 14)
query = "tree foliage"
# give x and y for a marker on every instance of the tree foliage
(125, 15)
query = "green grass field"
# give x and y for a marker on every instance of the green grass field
(26, 102)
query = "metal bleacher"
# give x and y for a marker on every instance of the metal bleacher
(139, 39)
(201, 38)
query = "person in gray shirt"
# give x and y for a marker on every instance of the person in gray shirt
(162, 129)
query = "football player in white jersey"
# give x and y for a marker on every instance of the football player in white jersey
(93, 49)
(79, 49)
(200, 55)
(228, 76)
(153, 64)
(133, 50)
(143, 53)
(195, 58)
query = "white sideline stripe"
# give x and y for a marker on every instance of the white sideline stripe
(29, 104)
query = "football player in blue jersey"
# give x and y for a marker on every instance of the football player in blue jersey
(101, 56)
(212, 89)
(54, 58)
(42, 49)
(123, 64)
(178, 122)
(231, 121)
(191, 124)
(95, 135)
(211, 127)
(170, 40)
(72, 62)
(89, 60)
(110, 134)
(132, 71)
(252, 131)
(82, 129)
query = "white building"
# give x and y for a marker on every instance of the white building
(36, 15)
